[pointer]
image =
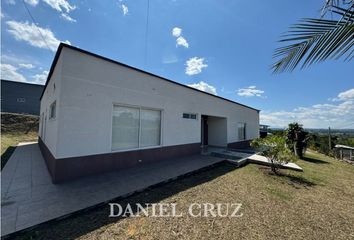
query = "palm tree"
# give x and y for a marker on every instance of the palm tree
(315, 40)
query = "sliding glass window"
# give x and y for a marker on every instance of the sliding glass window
(241, 127)
(135, 128)
(150, 128)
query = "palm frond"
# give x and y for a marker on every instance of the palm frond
(315, 40)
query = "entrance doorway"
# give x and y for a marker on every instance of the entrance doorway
(213, 131)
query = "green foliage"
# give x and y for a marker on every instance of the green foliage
(296, 138)
(275, 149)
(277, 132)
(315, 40)
(320, 144)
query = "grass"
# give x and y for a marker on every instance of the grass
(16, 128)
(314, 204)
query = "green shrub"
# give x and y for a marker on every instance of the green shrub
(275, 149)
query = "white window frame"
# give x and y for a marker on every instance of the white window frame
(140, 108)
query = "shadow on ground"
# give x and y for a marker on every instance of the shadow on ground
(289, 178)
(85, 222)
(6, 156)
(297, 180)
(314, 160)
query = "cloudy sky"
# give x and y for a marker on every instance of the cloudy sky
(221, 47)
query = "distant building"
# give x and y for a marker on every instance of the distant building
(263, 130)
(19, 97)
(344, 152)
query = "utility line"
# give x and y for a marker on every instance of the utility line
(34, 22)
(146, 32)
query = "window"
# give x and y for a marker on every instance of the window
(150, 128)
(135, 127)
(241, 127)
(21, 100)
(190, 116)
(52, 112)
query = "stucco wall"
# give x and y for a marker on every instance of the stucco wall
(217, 131)
(90, 87)
(48, 128)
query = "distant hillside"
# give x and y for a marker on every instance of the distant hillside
(348, 132)
(15, 123)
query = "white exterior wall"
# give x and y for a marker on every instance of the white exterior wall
(49, 131)
(90, 87)
(217, 131)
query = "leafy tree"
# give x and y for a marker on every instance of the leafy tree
(314, 40)
(319, 143)
(275, 150)
(296, 138)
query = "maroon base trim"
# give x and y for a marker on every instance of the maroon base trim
(48, 157)
(65, 169)
(239, 145)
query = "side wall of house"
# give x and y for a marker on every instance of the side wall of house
(49, 127)
(90, 87)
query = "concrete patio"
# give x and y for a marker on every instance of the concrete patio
(241, 158)
(29, 197)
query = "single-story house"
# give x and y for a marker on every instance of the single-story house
(98, 115)
(20, 97)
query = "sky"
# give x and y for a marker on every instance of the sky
(221, 47)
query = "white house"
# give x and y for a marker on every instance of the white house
(99, 115)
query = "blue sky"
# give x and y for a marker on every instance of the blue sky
(223, 47)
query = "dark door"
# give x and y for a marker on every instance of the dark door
(204, 128)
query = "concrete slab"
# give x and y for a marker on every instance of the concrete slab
(241, 158)
(258, 159)
(29, 197)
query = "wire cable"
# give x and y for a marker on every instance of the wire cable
(146, 31)
(34, 22)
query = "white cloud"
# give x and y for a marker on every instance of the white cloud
(17, 60)
(40, 78)
(125, 9)
(67, 17)
(342, 96)
(195, 65)
(9, 72)
(26, 65)
(346, 95)
(250, 91)
(23, 31)
(176, 32)
(335, 115)
(203, 86)
(60, 5)
(32, 2)
(169, 58)
(182, 42)
(11, 2)
(1, 14)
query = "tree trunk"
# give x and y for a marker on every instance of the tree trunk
(298, 147)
